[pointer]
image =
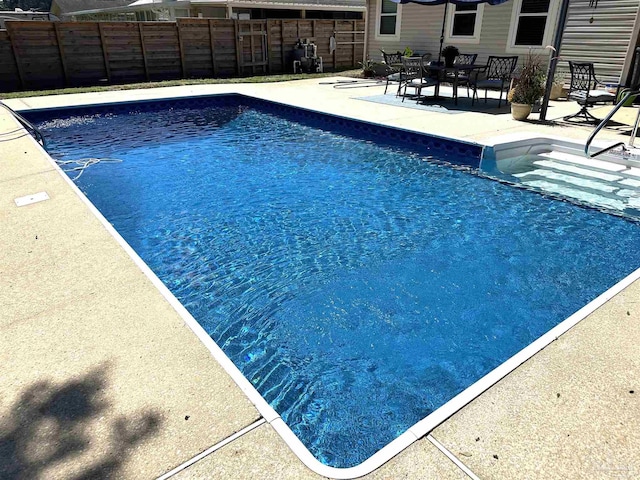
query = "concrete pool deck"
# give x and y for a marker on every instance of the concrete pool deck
(100, 375)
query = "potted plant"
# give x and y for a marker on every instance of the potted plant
(528, 89)
(557, 86)
(450, 53)
(368, 68)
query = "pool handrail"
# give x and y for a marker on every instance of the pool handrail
(37, 134)
(601, 125)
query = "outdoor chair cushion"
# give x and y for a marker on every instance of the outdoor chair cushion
(497, 84)
(418, 84)
(423, 82)
(594, 96)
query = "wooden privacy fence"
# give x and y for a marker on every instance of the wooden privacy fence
(35, 54)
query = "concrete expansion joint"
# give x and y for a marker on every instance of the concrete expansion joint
(453, 458)
(213, 448)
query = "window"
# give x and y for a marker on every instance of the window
(531, 24)
(464, 23)
(182, 12)
(388, 20)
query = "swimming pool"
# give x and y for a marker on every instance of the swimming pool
(359, 285)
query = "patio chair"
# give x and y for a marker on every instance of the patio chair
(496, 76)
(416, 75)
(463, 77)
(393, 61)
(583, 89)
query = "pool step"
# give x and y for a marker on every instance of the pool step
(597, 182)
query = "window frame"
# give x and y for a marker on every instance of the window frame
(184, 10)
(383, 36)
(475, 38)
(552, 15)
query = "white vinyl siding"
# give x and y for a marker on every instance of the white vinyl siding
(606, 40)
(421, 26)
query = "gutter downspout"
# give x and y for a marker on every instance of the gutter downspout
(553, 62)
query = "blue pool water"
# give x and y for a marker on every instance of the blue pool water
(359, 286)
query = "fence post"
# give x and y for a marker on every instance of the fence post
(16, 57)
(335, 50)
(105, 54)
(144, 53)
(238, 47)
(253, 48)
(269, 46)
(180, 46)
(15, 61)
(214, 65)
(61, 52)
(284, 66)
(353, 38)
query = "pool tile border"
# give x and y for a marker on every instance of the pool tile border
(453, 152)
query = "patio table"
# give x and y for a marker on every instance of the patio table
(441, 72)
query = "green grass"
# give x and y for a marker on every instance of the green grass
(174, 83)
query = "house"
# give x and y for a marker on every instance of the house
(19, 15)
(64, 9)
(604, 33)
(169, 10)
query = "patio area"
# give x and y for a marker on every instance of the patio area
(102, 378)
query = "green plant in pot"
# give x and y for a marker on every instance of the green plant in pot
(528, 89)
(449, 53)
(368, 68)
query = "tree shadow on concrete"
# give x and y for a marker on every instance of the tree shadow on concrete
(54, 423)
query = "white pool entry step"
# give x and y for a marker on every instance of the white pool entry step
(560, 167)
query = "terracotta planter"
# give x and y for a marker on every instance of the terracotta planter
(556, 91)
(520, 111)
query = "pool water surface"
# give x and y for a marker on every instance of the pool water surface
(358, 285)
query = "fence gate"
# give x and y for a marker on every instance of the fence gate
(251, 47)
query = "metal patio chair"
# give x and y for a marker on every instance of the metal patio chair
(393, 61)
(463, 77)
(584, 90)
(496, 75)
(416, 75)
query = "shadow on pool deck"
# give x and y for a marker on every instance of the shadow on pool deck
(53, 423)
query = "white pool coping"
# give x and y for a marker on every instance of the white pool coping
(419, 429)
